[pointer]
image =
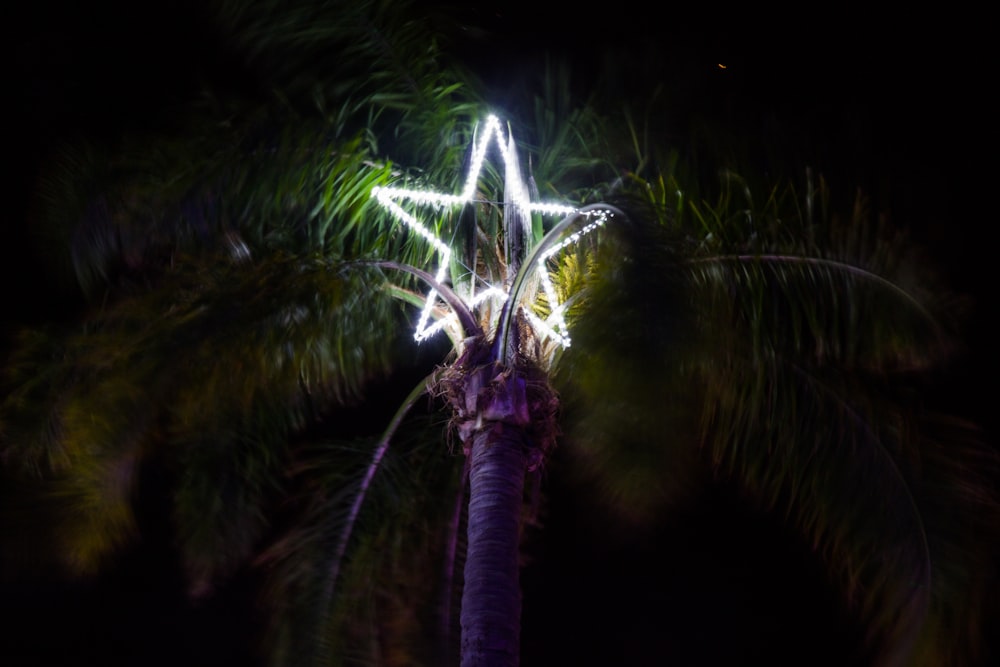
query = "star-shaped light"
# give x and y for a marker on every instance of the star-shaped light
(554, 325)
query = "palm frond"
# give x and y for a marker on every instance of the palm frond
(382, 62)
(379, 550)
(626, 379)
(820, 449)
(145, 371)
(960, 506)
(817, 419)
(802, 340)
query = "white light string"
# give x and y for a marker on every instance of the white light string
(554, 325)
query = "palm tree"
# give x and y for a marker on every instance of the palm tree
(247, 306)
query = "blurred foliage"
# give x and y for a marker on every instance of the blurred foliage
(797, 346)
(234, 335)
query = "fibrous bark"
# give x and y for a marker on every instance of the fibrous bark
(505, 418)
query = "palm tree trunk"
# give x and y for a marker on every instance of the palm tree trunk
(491, 598)
(505, 417)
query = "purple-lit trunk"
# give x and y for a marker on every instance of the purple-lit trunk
(505, 418)
(491, 598)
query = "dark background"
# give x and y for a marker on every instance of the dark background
(899, 104)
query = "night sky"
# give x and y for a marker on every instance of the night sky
(898, 104)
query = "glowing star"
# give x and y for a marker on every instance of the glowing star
(554, 325)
